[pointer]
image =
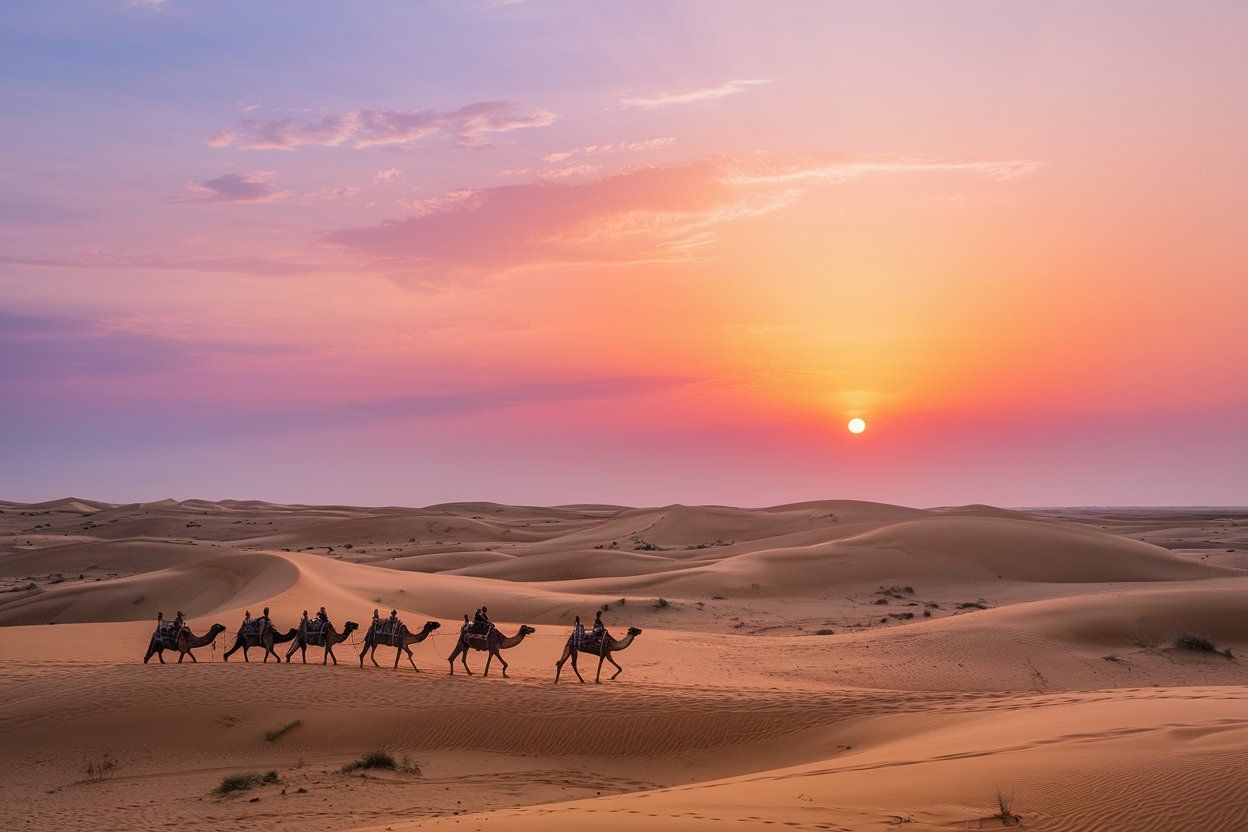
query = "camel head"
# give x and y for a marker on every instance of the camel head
(526, 630)
(216, 629)
(634, 631)
(349, 628)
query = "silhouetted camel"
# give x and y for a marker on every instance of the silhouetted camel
(491, 642)
(603, 650)
(325, 637)
(247, 639)
(399, 640)
(184, 643)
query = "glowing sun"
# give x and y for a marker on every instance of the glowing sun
(857, 425)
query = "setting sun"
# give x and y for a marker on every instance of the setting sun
(857, 425)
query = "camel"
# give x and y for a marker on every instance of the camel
(249, 638)
(492, 642)
(325, 637)
(184, 643)
(400, 641)
(603, 650)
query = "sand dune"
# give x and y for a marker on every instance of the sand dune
(826, 665)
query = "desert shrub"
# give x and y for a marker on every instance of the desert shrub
(100, 768)
(661, 603)
(825, 632)
(972, 605)
(373, 759)
(272, 736)
(245, 781)
(1200, 644)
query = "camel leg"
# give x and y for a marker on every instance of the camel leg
(463, 659)
(451, 658)
(151, 649)
(618, 669)
(329, 654)
(372, 656)
(290, 651)
(362, 652)
(502, 661)
(567, 651)
(598, 678)
(225, 657)
(489, 657)
(576, 669)
(411, 660)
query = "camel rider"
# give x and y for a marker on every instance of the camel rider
(578, 632)
(323, 617)
(599, 627)
(392, 623)
(304, 622)
(484, 624)
(467, 625)
(160, 621)
(178, 623)
(263, 621)
(246, 620)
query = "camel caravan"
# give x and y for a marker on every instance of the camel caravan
(477, 633)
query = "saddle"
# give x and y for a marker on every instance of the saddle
(589, 642)
(252, 629)
(167, 635)
(389, 635)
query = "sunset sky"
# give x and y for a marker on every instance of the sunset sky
(637, 252)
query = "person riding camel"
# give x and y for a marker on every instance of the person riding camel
(322, 617)
(483, 622)
(246, 620)
(304, 623)
(160, 620)
(263, 621)
(392, 623)
(467, 625)
(578, 632)
(599, 628)
(178, 623)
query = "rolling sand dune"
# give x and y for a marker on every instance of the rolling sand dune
(826, 665)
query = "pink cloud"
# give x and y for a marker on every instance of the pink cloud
(661, 213)
(699, 95)
(259, 186)
(469, 126)
(388, 175)
(602, 149)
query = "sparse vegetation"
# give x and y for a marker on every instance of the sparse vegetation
(1005, 810)
(243, 782)
(100, 768)
(972, 605)
(373, 759)
(276, 733)
(661, 603)
(1200, 644)
(825, 632)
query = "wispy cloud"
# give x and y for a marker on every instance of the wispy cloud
(146, 262)
(470, 126)
(259, 186)
(603, 149)
(57, 347)
(693, 96)
(388, 175)
(648, 214)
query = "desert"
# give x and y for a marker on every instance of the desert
(822, 665)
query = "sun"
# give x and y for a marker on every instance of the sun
(857, 425)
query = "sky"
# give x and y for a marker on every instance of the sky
(400, 253)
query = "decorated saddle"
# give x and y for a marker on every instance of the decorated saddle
(253, 629)
(314, 631)
(385, 633)
(167, 635)
(589, 642)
